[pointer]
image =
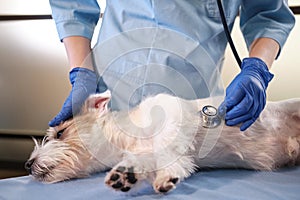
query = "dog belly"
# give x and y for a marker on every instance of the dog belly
(221, 152)
(259, 148)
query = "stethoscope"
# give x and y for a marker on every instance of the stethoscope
(210, 115)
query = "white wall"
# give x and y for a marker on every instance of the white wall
(286, 82)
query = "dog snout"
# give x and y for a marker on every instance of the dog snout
(28, 165)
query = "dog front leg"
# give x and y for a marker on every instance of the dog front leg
(126, 174)
(168, 176)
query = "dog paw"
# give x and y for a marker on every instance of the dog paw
(121, 178)
(164, 185)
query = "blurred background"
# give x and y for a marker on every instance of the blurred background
(34, 75)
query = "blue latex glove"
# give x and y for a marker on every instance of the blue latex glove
(246, 94)
(84, 83)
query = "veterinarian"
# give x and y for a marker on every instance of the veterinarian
(186, 36)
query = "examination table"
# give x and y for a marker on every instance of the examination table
(222, 184)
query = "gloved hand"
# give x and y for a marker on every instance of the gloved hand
(246, 94)
(84, 83)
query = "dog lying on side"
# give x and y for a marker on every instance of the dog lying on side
(162, 140)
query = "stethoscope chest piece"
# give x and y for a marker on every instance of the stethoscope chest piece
(210, 117)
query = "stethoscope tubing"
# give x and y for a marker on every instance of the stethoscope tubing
(228, 36)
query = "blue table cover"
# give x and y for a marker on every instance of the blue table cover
(215, 184)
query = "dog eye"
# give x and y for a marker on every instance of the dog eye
(59, 133)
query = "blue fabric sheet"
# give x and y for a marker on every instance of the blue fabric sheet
(216, 184)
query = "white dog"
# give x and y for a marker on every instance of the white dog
(162, 140)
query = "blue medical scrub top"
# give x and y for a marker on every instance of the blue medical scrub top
(147, 47)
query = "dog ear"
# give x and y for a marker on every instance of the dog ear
(98, 102)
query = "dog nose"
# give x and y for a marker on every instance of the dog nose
(28, 165)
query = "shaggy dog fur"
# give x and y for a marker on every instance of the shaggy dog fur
(162, 140)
